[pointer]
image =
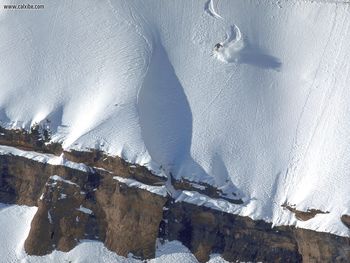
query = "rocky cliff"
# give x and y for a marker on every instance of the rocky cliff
(89, 195)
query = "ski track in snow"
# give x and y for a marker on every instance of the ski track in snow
(233, 35)
(210, 9)
(301, 151)
(233, 42)
(231, 46)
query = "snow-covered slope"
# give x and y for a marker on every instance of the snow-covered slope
(265, 113)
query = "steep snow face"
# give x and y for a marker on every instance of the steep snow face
(264, 112)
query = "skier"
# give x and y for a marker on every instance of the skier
(218, 46)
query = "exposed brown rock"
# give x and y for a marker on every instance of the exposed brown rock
(346, 220)
(304, 215)
(58, 224)
(18, 187)
(132, 218)
(203, 188)
(128, 220)
(23, 180)
(36, 139)
(322, 247)
(207, 231)
(116, 165)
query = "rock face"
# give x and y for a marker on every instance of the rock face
(322, 247)
(36, 139)
(90, 204)
(62, 220)
(346, 220)
(237, 238)
(111, 212)
(74, 205)
(303, 215)
(203, 188)
(131, 218)
(22, 180)
(207, 231)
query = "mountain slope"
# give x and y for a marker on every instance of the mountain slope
(266, 114)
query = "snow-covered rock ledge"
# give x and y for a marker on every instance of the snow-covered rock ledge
(103, 206)
(134, 175)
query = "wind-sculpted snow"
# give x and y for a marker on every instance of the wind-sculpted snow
(266, 115)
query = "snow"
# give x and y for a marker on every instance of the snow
(44, 158)
(85, 210)
(269, 113)
(159, 190)
(203, 200)
(230, 49)
(60, 179)
(49, 217)
(210, 10)
(62, 196)
(198, 186)
(173, 252)
(15, 225)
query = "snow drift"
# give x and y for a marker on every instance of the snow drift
(139, 80)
